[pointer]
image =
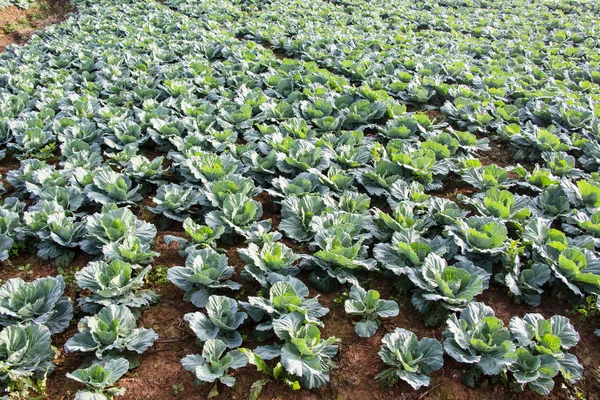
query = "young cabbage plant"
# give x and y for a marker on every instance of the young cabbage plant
(525, 283)
(221, 320)
(217, 192)
(131, 250)
(146, 171)
(532, 142)
(348, 150)
(361, 112)
(445, 212)
(479, 339)
(40, 302)
(580, 223)
(174, 203)
(337, 179)
(114, 224)
(302, 184)
(100, 379)
(69, 198)
(412, 193)
(589, 193)
(26, 176)
(501, 204)
(304, 156)
(576, 269)
(125, 132)
(488, 177)
(25, 352)
(480, 238)
(553, 337)
(239, 214)
(408, 250)
(112, 187)
(562, 164)
(114, 283)
(204, 272)
(56, 231)
(201, 236)
(9, 222)
(443, 289)
(297, 214)
(286, 295)
(355, 224)
(340, 255)
(113, 330)
(215, 363)
(403, 217)
(379, 179)
(536, 371)
(266, 258)
(537, 180)
(553, 202)
(418, 164)
(304, 355)
(208, 167)
(412, 360)
(370, 307)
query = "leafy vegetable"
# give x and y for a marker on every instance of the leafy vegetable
(477, 337)
(112, 330)
(412, 360)
(99, 378)
(221, 320)
(368, 305)
(214, 363)
(114, 283)
(40, 302)
(205, 270)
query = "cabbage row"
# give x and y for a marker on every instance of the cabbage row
(370, 128)
(24, 4)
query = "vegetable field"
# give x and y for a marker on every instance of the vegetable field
(284, 199)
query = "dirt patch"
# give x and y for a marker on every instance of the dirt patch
(435, 115)
(17, 25)
(499, 154)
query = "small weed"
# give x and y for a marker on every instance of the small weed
(46, 152)
(587, 309)
(178, 389)
(69, 276)
(158, 275)
(27, 387)
(341, 298)
(26, 269)
(17, 249)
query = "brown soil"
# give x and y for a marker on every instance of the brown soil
(499, 154)
(17, 25)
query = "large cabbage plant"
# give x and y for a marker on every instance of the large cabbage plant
(479, 339)
(40, 301)
(116, 282)
(25, 352)
(442, 288)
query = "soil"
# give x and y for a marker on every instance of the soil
(17, 25)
